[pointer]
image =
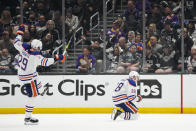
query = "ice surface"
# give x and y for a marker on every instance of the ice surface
(100, 122)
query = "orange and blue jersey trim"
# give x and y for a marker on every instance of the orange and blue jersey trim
(132, 107)
(119, 98)
(34, 89)
(27, 77)
(123, 97)
(44, 62)
(131, 98)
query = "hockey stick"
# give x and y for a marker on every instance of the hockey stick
(67, 46)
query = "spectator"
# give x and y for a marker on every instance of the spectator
(131, 38)
(191, 29)
(152, 61)
(168, 35)
(188, 43)
(26, 10)
(50, 29)
(154, 45)
(86, 18)
(58, 25)
(5, 62)
(42, 8)
(192, 60)
(41, 24)
(6, 42)
(113, 59)
(79, 8)
(170, 17)
(33, 32)
(48, 45)
(114, 34)
(71, 20)
(152, 30)
(166, 60)
(97, 52)
(121, 22)
(131, 61)
(138, 5)
(15, 17)
(132, 16)
(85, 62)
(5, 21)
(123, 46)
(138, 43)
(154, 17)
(31, 18)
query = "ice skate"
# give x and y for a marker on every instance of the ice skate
(115, 114)
(31, 121)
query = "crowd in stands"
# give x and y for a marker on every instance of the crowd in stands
(163, 38)
(43, 20)
(124, 44)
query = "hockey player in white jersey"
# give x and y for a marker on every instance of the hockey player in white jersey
(28, 59)
(124, 97)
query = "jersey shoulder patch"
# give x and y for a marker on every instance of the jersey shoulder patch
(131, 82)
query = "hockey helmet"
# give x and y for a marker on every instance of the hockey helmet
(36, 44)
(134, 74)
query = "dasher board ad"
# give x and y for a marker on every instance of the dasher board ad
(72, 91)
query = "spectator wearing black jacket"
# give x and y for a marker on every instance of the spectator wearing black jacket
(97, 52)
(49, 38)
(188, 43)
(152, 61)
(132, 17)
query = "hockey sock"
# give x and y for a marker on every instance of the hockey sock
(29, 106)
(28, 111)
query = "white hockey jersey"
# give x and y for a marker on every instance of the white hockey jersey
(29, 60)
(125, 91)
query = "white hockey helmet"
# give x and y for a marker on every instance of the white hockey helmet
(36, 44)
(134, 73)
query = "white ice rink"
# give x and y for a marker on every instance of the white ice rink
(100, 122)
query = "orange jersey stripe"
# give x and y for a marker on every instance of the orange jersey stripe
(130, 106)
(43, 62)
(26, 77)
(131, 98)
(33, 89)
(119, 98)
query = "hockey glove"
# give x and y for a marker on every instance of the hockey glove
(139, 98)
(59, 58)
(21, 29)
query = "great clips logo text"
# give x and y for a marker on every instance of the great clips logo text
(67, 87)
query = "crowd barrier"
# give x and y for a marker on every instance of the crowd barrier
(93, 94)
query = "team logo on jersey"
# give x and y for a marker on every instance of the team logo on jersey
(150, 88)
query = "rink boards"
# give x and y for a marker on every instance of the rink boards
(92, 94)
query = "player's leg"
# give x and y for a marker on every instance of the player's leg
(32, 93)
(116, 112)
(134, 109)
(42, 90)
(130, 111)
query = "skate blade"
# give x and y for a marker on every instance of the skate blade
(29, 123)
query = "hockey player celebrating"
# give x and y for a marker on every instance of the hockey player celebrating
(124, 97)
(28, 59)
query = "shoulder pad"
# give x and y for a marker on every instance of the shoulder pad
(26, 46)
